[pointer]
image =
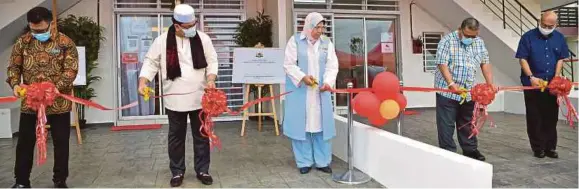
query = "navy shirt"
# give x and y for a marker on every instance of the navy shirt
(542, 53)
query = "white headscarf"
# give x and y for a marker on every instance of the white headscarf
(312, 20)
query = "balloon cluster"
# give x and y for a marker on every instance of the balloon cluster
(384, 103)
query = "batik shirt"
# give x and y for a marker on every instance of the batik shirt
(55, 61)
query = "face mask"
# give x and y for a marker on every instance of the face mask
(466, 41)
(191, 32)
(42, 37)
(546, 31)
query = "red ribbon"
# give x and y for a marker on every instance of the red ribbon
(214, 103)
(38, 96)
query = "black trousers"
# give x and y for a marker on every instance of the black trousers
(60, 132)
(177, 136)
(542, 112)
(451, 115)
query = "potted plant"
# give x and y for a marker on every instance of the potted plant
(417, 45)
(252, 32)
(84, 31)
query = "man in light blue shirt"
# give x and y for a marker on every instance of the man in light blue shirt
(457, 56)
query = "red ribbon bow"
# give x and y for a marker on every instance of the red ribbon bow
(561, 87)
(38, 97)
(482, 95)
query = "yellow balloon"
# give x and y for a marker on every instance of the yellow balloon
(389, 109)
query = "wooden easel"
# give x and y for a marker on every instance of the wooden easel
(74, 112)
(259, 113)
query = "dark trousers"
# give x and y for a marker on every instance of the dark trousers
(177, 135)
(60, 131)
(542, 112)
(451, 115)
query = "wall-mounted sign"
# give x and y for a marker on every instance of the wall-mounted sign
(387, 47)
(130, 58)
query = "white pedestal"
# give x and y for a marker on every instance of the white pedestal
(10, 117)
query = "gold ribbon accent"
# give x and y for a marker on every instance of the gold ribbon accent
(148, 92)
(463, 94)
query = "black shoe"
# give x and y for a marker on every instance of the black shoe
(325, 169)
(21, 186)
(59, 183)
(539, 154)
(475, 155)
(177, 180)
(551, 154)
(205, 178)
(305, 170)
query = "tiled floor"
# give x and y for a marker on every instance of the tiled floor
(507, 149)
(139, 159)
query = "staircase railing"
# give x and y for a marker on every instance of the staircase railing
(516, 17)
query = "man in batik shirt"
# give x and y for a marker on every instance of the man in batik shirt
(42, 55)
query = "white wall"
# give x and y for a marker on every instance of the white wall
(533, 5)
(105, 95)
(11, 10)
(412, 165)
(547, 4)
(412, 65)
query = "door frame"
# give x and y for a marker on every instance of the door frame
(396, 23)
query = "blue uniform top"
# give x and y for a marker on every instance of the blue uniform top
(542, 53)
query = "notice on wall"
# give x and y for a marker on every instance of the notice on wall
(386, 37)
(258, 65)
(387, 47)
(80, 79)
(130, 58)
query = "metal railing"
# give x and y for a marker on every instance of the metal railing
(516, 17)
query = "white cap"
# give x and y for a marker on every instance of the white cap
(184, 13)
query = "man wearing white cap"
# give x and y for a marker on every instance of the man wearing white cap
(187, 62)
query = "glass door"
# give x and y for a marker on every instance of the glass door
(350, 50)
(365, 46)
(135, 34)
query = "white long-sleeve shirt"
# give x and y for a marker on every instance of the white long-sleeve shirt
(313, 111)
(191, 80)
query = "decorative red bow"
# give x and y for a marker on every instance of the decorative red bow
(38, 96)
(482, 95)
(561, 87)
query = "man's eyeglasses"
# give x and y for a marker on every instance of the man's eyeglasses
(37, 31)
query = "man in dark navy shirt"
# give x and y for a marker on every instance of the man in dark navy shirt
(541, 52)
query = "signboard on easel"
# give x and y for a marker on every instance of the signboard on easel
(259, 67)
(80, 79)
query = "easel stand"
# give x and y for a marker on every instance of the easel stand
(259, 113)
(350, 176)
(75, 122)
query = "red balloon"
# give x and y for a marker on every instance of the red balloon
(366, 104)
(386, 86)
(378, 121)
(401, 99)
